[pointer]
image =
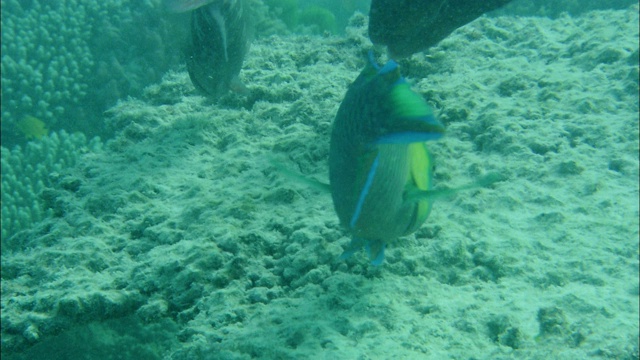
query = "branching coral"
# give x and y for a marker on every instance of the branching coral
(72, 59)
(26, 173)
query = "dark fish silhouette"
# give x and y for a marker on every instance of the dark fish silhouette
(219, 42)
(410, 26)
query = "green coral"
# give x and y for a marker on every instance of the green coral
(285, 10)
(320, 19)
(41, 72)
(26, 172)
(72, 59)
(310, 19)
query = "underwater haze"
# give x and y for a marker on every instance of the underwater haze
(174, 237)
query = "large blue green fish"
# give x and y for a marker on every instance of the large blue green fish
(379, 167)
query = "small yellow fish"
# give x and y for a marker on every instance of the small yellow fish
(32, 127)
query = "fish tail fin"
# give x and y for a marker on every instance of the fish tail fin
(347, 254)
(238, 86)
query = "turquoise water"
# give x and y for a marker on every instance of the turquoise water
(172, 236)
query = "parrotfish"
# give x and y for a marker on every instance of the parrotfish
(220, 33)
(379, 167)
(380, 170)
(410, 26)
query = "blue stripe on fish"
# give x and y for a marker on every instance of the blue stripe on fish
(388, 67)
(364, 192)
(372, 60)
(407, 137)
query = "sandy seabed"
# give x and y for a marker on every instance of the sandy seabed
(181, 241)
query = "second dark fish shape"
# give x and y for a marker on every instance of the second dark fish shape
(410, 26)
(218, 43)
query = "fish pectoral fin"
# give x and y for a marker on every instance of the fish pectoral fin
(355, 245)
(414, 194)
(347, 254)
(297, 177)
(238, 87)
(375, 250)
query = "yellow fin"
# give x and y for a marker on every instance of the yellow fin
(421, 167)
(418, 195)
